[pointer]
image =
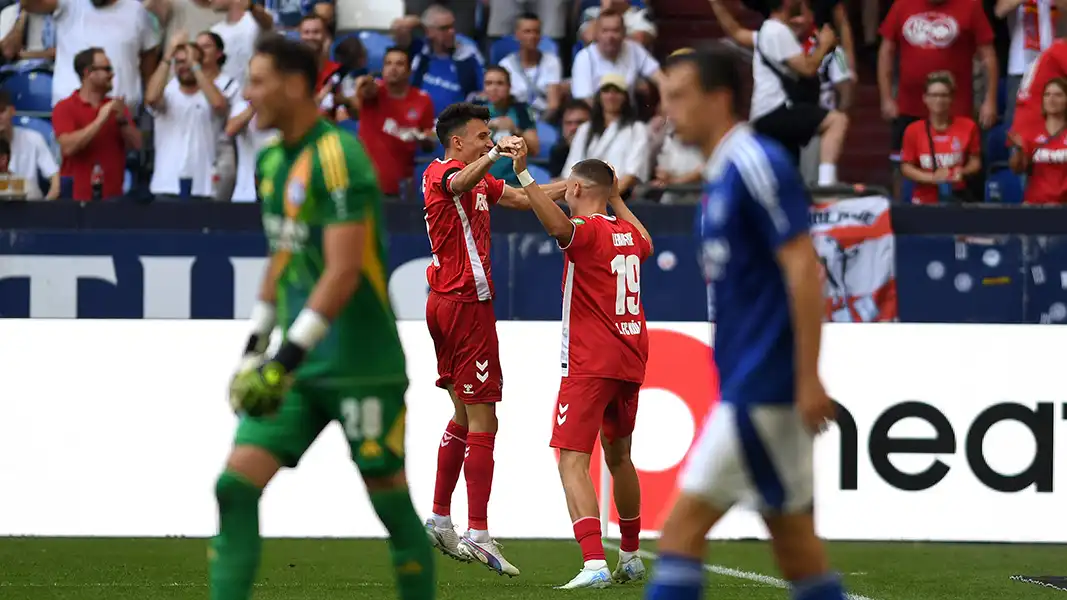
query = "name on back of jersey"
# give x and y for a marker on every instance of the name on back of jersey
(622, 239)
(284, 233)
(628, 328)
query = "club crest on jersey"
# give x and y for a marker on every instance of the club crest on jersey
(295, 194)
(481, 202)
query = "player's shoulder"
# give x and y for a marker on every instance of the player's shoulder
(440, 166)
(271, 152)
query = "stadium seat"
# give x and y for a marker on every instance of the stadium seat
(352, 125)
(996, 144)
(31, 91)
(907, 188)
(547, 136)
(540, 174)
(1003, 187)
(508, 44)
(42, 127)
(576, 49)
(376, 44)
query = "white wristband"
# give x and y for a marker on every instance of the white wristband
(525, 178)
(494, 154)
(308, 329)
(262, 318)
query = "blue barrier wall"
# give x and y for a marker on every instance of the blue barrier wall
(120, 261)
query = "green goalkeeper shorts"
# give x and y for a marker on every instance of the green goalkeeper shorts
(372, 417)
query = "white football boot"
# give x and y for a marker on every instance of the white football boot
(630, 568)
(594, 574)
(488, 553)
(446, 540)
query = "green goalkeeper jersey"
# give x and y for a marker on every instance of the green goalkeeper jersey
(323, 180)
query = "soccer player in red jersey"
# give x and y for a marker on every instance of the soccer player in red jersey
(605, 348)
(460, 317)
(1050, 64)
(1041, 152)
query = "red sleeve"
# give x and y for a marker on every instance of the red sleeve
(890, 28)
(643, 245)
(909, 152)
(426, 121)
(983, 32)
(583, 239)
(63, 119)
(495, 187)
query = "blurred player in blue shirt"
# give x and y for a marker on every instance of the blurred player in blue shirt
(756, 446)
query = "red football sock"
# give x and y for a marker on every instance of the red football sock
(449, 464)
(630, 530)
(478, 469)
(587, 532)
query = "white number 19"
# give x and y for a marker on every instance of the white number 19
(627, 270)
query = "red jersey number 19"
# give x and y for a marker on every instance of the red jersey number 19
(627, 270)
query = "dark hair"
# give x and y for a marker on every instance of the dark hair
(499, 69)
(313, 17)
(456, 116)
(5, 100)
(581, 105)
(598, 122)
(221, 45)
(527, 16)
(945, 78)
(398, 50)
(351, 53)
(5, 148)
(291, 57)
(594, 170)
(774, 5)
(716, 68)
(83, 61)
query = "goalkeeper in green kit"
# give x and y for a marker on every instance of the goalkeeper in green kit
(340, 358)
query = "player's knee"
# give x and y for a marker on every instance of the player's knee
(481, 418)
(573, 463)
(384, 482)
(617, 456)
(254, 464)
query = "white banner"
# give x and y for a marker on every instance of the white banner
(119, 428)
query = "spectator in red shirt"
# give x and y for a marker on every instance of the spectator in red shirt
(1041, 151)
(394, 118)
(939, 152)
(928, 36)
(1029, 110)
(94, 129)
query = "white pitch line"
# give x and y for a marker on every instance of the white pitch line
(737, 573)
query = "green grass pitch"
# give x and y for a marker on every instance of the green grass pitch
(166, 569)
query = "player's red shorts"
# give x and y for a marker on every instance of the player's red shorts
(468, 354)
(588, 405)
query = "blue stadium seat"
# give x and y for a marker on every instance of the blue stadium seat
(907, 188)
(40, 126)
(30, 91)
(1003, 187)
(547, 136)
(376, 44)
(996, 144)
(540, 174)
(293, 34)
(576, 49)
(508, 44)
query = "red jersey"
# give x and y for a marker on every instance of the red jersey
(952, 147)
(1049, 65)
(936, 37)
(107, 147)
(1046, 182)
(328, 72)
(387, 126)
(604, 333)
(458, 226)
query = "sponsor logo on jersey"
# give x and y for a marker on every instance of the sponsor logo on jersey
(284, 233)
(481, 202)
(578, 221)
(931, 30)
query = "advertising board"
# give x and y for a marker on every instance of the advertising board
(119, 428)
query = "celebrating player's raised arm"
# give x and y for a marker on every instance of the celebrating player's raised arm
(469, 176)
(623, 212)
(555, 221)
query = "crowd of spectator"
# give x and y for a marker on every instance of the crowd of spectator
(146, 95)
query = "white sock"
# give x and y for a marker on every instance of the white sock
(442, 521)
(479, 535)
(596, 565)
(827, 174)
(625, 556)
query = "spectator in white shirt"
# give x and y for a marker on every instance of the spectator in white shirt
(249, 140)
(30, 154)
(612, 54)
(27, 37)
(613, 135)
(123, 28)
(503, 15)
(186, 109)
(213, 50)
(535, 75)
(239, 32)
(1033, 25)
(639, 27)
